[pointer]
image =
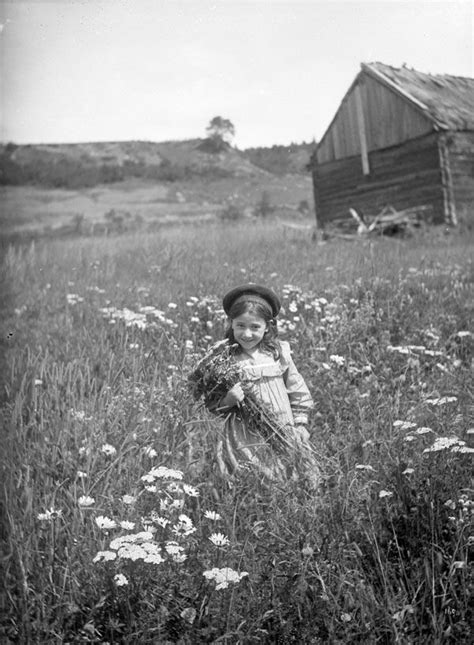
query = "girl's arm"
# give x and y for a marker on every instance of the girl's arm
(299, 395)
(218, 405)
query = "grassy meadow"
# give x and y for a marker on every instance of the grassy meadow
(118, 528)
(32, 211)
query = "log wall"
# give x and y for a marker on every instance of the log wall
(402, 176)
(461, 160)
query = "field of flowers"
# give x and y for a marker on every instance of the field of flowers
(117, 527)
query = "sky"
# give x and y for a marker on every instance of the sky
(159, 70)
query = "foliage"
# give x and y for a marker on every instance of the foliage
(280, 159)
(231, 213)
(97, 422)
(264, 206)
(60, 171)
(220, 131)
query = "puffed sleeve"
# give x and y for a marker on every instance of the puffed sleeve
(300, 397)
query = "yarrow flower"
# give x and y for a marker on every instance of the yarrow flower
(105, 556)
(403, 425)
(225, 576)
(219, 539)
(398, 349)
(85, 500)
(173, 548)
(162, 472)
(120, 580)
(73, 298)
(385, 493)
(463, 449)
(189, 614)
(441, 400)
(423, 430)
(337, 360)
(445, 443)
(79, 415)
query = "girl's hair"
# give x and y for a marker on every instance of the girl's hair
(270, 341)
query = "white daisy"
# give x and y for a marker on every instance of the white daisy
(212, 515)
(108, 450)
(105, 522)
(219, 539)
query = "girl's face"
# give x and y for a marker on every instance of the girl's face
(249, 330)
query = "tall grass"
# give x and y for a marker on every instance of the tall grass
(95, 397)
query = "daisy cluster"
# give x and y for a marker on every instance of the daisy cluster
(451, 444)
(425, 442)
(166, 535)
(205, 316)
(147, 317)
(299, 307)
(224, 576)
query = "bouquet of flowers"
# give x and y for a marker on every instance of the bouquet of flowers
(215, 374)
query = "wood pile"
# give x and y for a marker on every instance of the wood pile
(388, 222)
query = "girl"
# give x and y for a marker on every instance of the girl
(268, 372)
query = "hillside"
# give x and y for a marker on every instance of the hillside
(84, 165)
(92, 188)
(282, 160)
(89, 164)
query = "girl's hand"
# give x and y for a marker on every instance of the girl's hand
(233, 397)
(301, 434)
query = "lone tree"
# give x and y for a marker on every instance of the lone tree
(220, 132)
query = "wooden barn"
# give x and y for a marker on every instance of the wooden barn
(400, 138)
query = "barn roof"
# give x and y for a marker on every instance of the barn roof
(446, 100)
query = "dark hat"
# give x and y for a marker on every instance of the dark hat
(258, 291)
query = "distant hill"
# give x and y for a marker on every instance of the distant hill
(82, 165)
(282, 160)
(79, 165)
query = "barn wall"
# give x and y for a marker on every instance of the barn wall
(461, 160)
(389, 120)
(401, 176)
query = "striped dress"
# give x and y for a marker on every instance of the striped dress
(279, 385)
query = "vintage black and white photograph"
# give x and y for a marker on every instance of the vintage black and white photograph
(237, 322)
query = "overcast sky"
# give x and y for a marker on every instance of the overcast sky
(155, 70)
